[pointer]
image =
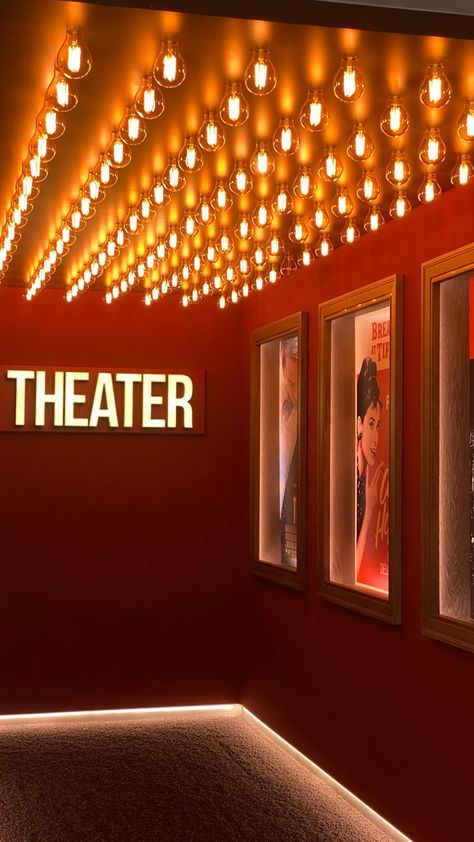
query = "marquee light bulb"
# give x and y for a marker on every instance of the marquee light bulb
(374, 219)
(149, 102)
(244, 263)
(394, 121)
(359, 145)
(196, 261)
(221, 198)
(304, 183)
(121, 238)
(234, 108)
(319, 219)
(368, 188)
(282, 200)
(433, 148)
(217, 281)
(111, 247)
(222, 302)
(118, 151)
(173, 238)
(240, 181)
(234, 296)
(324, 246)
(258, 256)
(68, 296)
(314, 115)
(262, 216)
(132, 222)
(96, 194)
(224, 242)
(108, 297)
(74, 290)
(463, 171)
(230, 273)
(259, 283)
(185, 271)
(190, 158)
(297, 232)
(87, 275)
(189, 226)
(204, 212)
(400, 205)
(132, 127)
(211, 253)
(147, 299)
(74, 59)
(161, 250)
(398, 171)
(435, 90)
(49, 122)
(275, 245)
(105, 171)
(306, 256)
(244, 228)
(350, 233)
(466, 122)
(141, 269)
(272, 276)
(330, 167)
(115, 291)
(211, 134)
(61, 93)
(343, 204)
(173, 178)
(76, 218)
(169, 68)
(429, 189)
(260, 74)
(261, 162)
(150, 259)
(245, 289)
(144, 207)
(102, 258)
(348, 83)
(159, 197)
(286, 140)
(66, 235)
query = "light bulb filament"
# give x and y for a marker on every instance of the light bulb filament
(74, 58)
(315, 113)
(169, 67)
(349, 82)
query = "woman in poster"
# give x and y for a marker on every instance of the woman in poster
(369, 466)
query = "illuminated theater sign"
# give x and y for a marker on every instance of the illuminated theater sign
(113, 401)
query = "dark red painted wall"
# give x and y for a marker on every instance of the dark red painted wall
(119, 554)
(385, 710)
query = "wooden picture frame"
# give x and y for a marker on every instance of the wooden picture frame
(269, 538)
(340, 506)
(446, 583)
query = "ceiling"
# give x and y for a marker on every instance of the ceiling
(124, 43)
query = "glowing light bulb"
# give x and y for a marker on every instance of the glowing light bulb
(81, 284)
(204, 211)
(162, 250)
(272, 275)
(240, 181)
(211, 135)
(282, 201)
(108, 297)
(314, 114)
(432, 149)
(367, 187)
(285, 140)
(159, 196)
(221, 197)
(173, 239)
(348, 82)
(259, 283)
(222, 302)
(111, 248)
(189, 226)
(360, 146)
(275, 245)
(463, 171)
(400, 205)
(306, 256)
(115, 291)
(107, 177)
(76, 219)
(94, 188)
(244, 264)
(211, 252)
(132, 127)
(49, 122)
(330, 167)
(87, 276)
(225, 242)
(217, 281)
(102, 258)
(120, 237)
(244, 229)
(234, 109)
(374, 219)
(61, 92)
(466, 122)
(190, 158)
(173, 178)
(74, 59)
(343, 204)
(262, 216)
(435, 90)
(149, 102)
(298, 232)
(398, 170)
(319, 218)
(260, 76)
(261, 162)
(118, 152)
(169, 69)
(394, 121)
(350, 232)
(304, 184)
(145, 207)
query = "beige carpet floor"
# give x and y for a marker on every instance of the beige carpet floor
(181, 780)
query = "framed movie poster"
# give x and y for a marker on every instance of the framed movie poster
(448, 448)
(360, 426)
(278, 436)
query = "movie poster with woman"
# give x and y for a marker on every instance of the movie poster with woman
(372, 398)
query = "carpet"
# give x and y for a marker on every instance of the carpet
(184, 779)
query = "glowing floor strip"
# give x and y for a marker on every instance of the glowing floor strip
(221, 710)
(361, 806)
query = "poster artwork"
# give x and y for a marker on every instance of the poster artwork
(372, 371)
(288, 402)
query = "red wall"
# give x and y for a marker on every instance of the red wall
(385, 710)
(118, 574)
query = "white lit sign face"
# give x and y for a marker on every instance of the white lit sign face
(112, 401)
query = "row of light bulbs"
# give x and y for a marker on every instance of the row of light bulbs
(169, 71)
(73, 62)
